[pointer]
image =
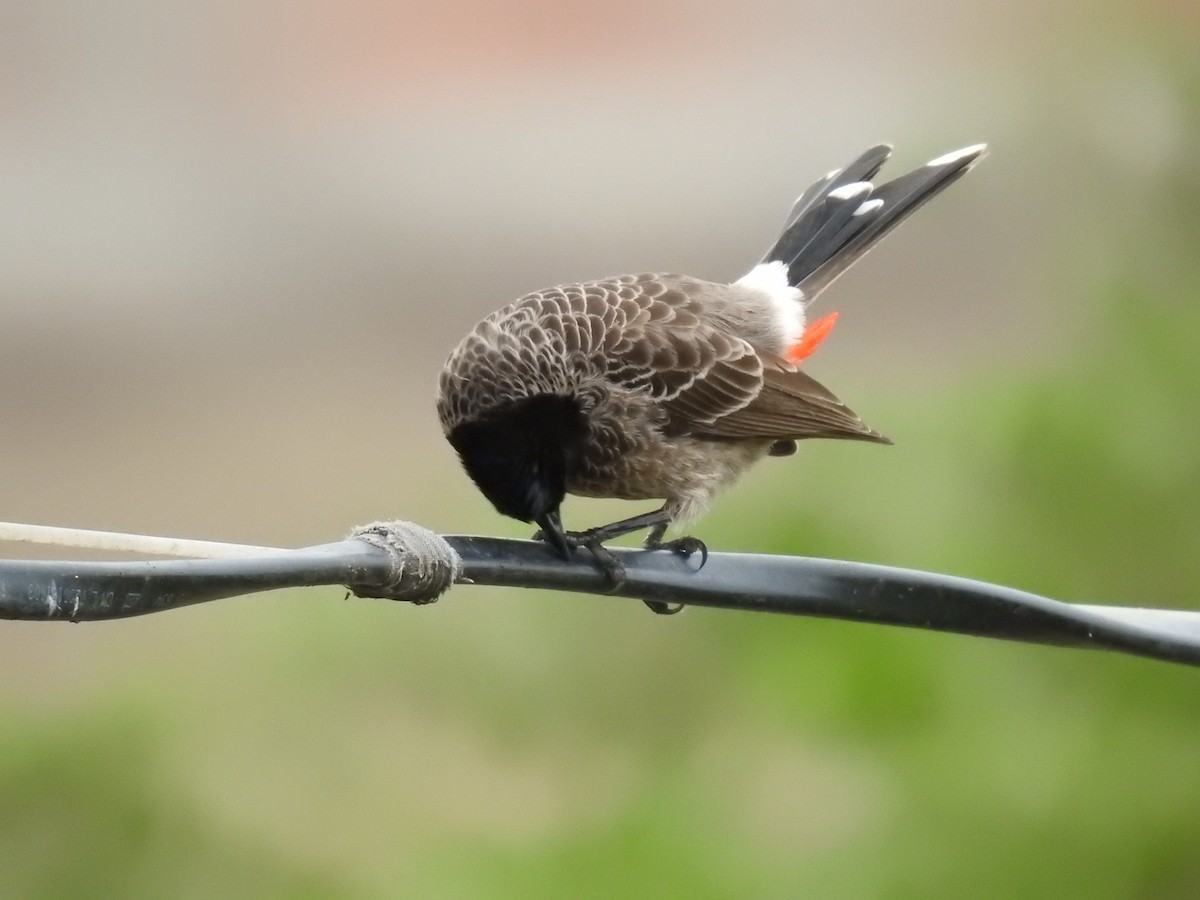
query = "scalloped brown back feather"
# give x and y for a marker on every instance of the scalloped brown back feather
(667, 338)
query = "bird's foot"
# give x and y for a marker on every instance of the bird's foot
(593, 543)
(685, 547)
(663, 609)
(608, 562)
(593, 540)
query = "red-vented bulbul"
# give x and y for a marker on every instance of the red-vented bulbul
(668, 387)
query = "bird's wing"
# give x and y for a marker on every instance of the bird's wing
(792, 404)
(659, 340)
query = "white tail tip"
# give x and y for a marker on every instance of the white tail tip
(850, 191)
(955, 155)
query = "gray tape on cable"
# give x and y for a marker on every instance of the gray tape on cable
(423, 564)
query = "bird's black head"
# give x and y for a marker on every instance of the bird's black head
(519, 453)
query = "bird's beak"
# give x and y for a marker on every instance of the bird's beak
(552, 533)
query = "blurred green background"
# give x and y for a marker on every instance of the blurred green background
(236, 242)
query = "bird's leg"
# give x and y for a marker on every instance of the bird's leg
(656, 521)
(684, 546)
(593, 540)
(552, 531)
(564, 542)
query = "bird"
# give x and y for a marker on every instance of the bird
(668, 387)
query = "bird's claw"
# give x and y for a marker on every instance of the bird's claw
(612, 567)
(684, 546)
(593, 541)
(663, 609)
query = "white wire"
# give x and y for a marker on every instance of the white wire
(128, 543)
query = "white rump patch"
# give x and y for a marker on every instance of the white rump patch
(771, 279)
(955, 155)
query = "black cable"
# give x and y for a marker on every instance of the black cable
(79, 591)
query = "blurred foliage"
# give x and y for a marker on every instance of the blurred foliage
(530, 746)
(85, 814)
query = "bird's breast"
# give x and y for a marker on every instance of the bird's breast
(627, 453)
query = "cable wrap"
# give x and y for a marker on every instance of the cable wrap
(424, 565)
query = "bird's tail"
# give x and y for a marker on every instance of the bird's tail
(844, 215)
